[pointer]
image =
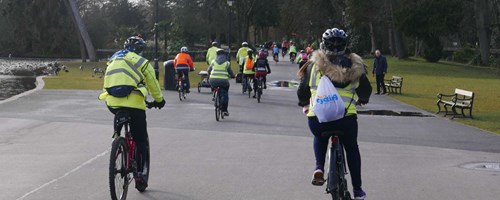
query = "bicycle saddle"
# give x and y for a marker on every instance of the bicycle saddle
(332, 133)
(121, 117)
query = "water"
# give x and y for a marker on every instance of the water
(18, 76)
(13, 85)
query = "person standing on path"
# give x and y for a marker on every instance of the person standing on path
(379, 70)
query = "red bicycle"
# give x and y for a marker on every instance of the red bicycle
(122, 162)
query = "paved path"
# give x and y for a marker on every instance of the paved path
(54, 145)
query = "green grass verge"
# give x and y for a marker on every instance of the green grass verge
(424, 80)
(83, 80)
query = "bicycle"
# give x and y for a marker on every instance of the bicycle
(217, 103)
(181, 86)
(260, 87)
(335, 165)
(276, 58)
(122, 162)
(293, 55)
(247, 86)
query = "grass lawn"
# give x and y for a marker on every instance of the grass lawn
(423, 81)
(83, 80)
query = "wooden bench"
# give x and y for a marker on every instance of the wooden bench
(461, 99)
(394, 84)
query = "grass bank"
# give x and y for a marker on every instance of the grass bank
(83, 80)
(424, 80)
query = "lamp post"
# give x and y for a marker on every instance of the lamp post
(156, 59)
(230, 4)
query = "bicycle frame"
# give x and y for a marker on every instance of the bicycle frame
(130, 150)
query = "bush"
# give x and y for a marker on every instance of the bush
(465, 55)
(433, 50)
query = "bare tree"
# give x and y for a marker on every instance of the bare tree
(84, 35)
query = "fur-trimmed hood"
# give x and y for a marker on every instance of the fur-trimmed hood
(338, 74)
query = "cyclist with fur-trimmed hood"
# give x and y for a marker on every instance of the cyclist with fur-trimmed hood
(348, 74)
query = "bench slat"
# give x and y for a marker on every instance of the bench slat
(464, 92)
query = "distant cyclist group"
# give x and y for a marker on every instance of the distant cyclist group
(129, 78)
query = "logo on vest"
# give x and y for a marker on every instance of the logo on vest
(326, 99)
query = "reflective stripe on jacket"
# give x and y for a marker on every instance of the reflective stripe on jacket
(131, 70)
(220, 71)
(347, 94)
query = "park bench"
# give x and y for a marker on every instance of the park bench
(394, 84)
(461, 99)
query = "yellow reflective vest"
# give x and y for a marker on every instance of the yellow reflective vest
(348, 94)
(220, 71)
(131, 70)
(247, 61)
(211, 54)
(241, 55)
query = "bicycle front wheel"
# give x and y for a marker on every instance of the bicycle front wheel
(118, 172)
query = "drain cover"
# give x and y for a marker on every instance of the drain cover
(485, 166)
(393, 113)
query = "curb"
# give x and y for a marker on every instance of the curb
(40, 84)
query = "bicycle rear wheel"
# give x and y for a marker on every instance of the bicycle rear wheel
(217, 105)
(332, 182)
(249, 88)
(118, 173)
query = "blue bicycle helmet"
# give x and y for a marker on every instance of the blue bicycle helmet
(135, 44)
(335, 41)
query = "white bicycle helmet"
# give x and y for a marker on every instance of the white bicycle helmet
(244, 44)
(184, 50)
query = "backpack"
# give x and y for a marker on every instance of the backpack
(249, 64)
(328, 104)
(260, 65)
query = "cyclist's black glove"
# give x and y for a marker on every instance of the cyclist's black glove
(160, 104)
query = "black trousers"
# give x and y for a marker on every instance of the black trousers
(380, 82)
(138, 129)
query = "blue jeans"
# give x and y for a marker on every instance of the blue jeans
(348, 125)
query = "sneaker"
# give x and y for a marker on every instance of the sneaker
(359, 194)
(377, 93)
(254, 96)
(318, 179)
(140, 182)
(225, 113)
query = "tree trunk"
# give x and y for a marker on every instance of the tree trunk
(83, 31)
(401, 51)
(372, 38)
(392, 46)
(83, 52)
(482, 25)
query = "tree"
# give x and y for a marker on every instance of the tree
(429, 20)
(482, 12)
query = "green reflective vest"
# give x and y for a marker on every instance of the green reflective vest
(347, 94)
(131, 70)
(293, 49)
(220, 71)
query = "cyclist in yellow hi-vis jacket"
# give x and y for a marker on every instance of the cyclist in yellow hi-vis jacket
(128, 79)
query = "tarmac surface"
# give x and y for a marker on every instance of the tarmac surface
(55, 144)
